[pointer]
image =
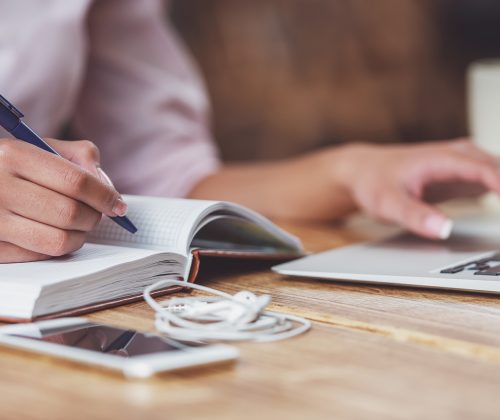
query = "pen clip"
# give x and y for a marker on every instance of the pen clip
(11, 108)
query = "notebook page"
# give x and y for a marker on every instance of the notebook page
(163, 223)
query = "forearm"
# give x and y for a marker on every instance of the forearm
(309, 187)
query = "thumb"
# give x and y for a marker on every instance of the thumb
(83, 153)
(416, 216)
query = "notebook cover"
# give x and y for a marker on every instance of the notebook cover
(198, 254)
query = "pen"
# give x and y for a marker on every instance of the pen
(10, 119)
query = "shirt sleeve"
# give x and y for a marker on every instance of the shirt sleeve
(143, 102)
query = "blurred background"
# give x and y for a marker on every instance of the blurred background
(288, 76)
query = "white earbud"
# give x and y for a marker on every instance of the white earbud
(245, 297)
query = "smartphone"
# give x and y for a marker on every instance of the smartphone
(134, 354)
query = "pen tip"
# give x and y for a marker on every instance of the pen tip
(125, 223)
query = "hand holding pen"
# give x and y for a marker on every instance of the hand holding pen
(47, 203)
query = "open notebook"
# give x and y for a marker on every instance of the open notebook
(115, 266)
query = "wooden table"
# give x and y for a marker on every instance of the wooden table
(374, 352)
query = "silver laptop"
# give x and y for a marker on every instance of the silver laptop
(469, 260)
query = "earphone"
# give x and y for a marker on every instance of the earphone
(221, 317)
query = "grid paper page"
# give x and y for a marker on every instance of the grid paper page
(162, 223)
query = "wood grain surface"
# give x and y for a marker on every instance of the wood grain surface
(374, 352)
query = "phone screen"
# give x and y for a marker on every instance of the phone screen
(110, 340)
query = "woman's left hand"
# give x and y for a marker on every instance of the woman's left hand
(392, 182)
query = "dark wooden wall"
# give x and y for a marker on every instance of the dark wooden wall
(286, 76)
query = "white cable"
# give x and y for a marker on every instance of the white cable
(221, 317)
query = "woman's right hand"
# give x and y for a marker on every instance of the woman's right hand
(49, 203)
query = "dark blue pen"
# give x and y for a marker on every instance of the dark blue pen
(10, 119)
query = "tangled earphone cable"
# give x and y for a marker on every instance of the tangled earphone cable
(221, 317)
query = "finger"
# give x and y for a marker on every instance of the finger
(453, 167)
(39, 238)
(470, 150)
(466, 169)
(40, 204)
(10, 253)
(424, 220)
(82, 152)
(60, 175)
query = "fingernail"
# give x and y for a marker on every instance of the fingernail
(104, 177)
(439, 226)
(120, 208)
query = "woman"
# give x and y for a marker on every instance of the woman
(113, 73)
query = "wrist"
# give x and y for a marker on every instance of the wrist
(342, 164)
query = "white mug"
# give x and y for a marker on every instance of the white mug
(483, 89)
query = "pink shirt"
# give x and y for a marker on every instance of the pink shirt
(114, 72)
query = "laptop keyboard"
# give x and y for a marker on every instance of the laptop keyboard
(484, 267)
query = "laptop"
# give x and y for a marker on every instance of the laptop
(469, 260)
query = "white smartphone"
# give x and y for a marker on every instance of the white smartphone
(135, 354)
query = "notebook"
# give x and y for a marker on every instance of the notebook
(114, 266)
